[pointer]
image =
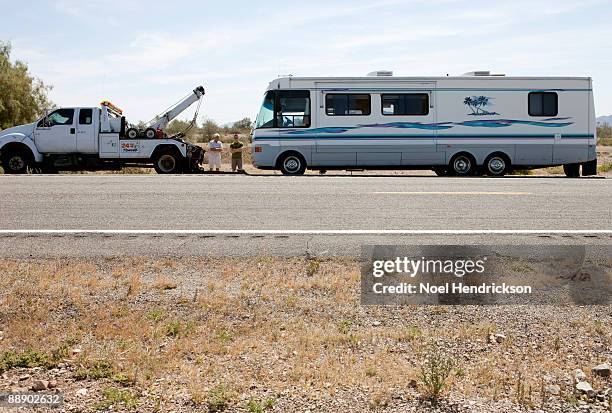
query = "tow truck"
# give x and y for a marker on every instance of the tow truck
(100, 138)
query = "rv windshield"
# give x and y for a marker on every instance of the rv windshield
(265, 118)
(284, 109)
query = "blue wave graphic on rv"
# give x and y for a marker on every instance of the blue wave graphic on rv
(410, 125)
(481, 123)
(504, 123)
(322, 130)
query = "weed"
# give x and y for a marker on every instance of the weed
(100, 369)
(523, 392)
(312, 267)
(114, 397)
(28, 358)
(345, 326)
(370, 372)
(255, 406)
(557, 344)
(224, 336)
(177, 329)
(413, 333)
(219, 399)
(606, 167)
(155, 314)
(435, 373)
(122, 379)
(599, 328)
(380, 399)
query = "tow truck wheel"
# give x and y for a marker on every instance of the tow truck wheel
(16, 161)
(132, 133)
(150, 133)
(168, 162)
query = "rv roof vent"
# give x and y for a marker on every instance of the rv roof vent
(381, 73)
(482, 73)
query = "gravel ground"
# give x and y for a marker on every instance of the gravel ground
(283, 335)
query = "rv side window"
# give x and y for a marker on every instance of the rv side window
(543, 104)
(293, 109)
(347, 105)
(412, 104)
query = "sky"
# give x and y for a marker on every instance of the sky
(145, 55)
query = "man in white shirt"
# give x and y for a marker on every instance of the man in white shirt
(215, 147)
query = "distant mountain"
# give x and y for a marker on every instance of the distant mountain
(604, 119)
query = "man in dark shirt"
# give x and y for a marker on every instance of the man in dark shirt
(236, 149)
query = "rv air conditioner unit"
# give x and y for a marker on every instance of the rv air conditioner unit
(381, 73)
(483, 73)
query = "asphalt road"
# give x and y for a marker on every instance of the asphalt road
(275, 203)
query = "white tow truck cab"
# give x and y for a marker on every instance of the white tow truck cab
(96, 138)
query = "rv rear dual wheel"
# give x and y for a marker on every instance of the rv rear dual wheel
(462, 164)
(496, 165)
(572, 170)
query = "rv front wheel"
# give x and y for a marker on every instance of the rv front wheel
(462, 165)
(292, 164)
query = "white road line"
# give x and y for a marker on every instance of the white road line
(452, 193)
(306, 232)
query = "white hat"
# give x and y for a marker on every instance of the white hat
(216, 135)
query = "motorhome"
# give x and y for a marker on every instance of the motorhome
(476, 124)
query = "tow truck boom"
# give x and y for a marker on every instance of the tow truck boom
(162, 121)
(156, 126)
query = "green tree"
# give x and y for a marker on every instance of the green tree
(209, 128)
(604, 135)
(242, 126)
(23, 97)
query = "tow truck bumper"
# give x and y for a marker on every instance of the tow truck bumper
(195, 158)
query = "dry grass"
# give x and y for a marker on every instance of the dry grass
(226, 331)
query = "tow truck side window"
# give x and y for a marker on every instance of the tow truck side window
(57, 117)
(85, 116)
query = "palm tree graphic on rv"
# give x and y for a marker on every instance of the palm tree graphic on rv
(477, 103)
